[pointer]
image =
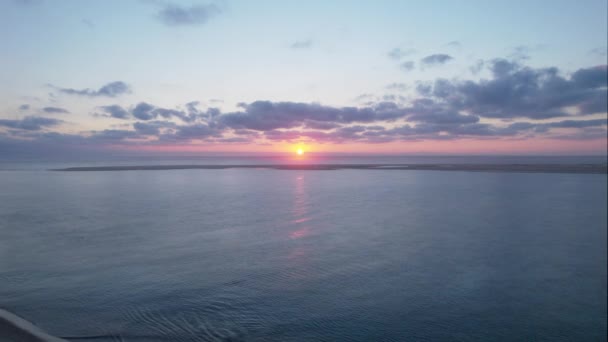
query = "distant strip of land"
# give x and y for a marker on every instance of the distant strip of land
(538, 168)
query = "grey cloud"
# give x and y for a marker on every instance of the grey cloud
(518, 91)
(168, 113)
(320, 125)
(579, 123)
(24, 107)
(599, 51)
(521, 52)
(301, 44)
(30, 123)
(112, 89)
(110, 135)
(398, 53)
(152, 127)
(477, 67)
(88, 23)
(266, 115)
(436, 59)
(591, 77)
(444, 118)
(55, 110)
(115, 111)
(196, 131)
(407, 66)
(144, 111)
(397, 86)
(364, 97)
(175, 15)
(445, 109)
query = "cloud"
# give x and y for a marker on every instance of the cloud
(112, 89)
(599, 51)
(477, 67)
(436, 59)
(397, 86)
(301, 44)
(175, 15)
(115, 111)
(30, 123)
(144, 111)
(521, 53)
(516, 91)
(267, 115)
(88, 23)
(530, 102)
(153, 127)
(454, 44)
(398, 53)
(196, 131)
(111, 135)
(407, 66)
(24, 107)
(55, 110)
(578, 123)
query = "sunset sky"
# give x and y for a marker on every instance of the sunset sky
(437, 77)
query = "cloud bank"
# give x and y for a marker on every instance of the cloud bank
(514, 101)
(175, 15)
(112, 89)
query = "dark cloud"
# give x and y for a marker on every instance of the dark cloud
(30, 123)
(111, 89)
(112, 135)
(301, 44)
(443, 118)
(24, 107)
(591, 78)
(578, 123)
(436, 59)
(522, 97)
(175, 15)
(152, 127)
(55, 110)
(407, 66)
(196, 131)
(115, 111)
(320, 125)
(398, 53)
(267, 115)
(518, 91)
(144, 111)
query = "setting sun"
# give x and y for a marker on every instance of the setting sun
(300, 151)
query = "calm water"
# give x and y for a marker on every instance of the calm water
(270, 255)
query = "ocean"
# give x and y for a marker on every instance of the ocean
(305, 255)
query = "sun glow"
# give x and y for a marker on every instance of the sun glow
(300, 151)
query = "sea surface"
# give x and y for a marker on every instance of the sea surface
(304, 255)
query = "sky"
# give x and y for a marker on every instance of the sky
(373, 77)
